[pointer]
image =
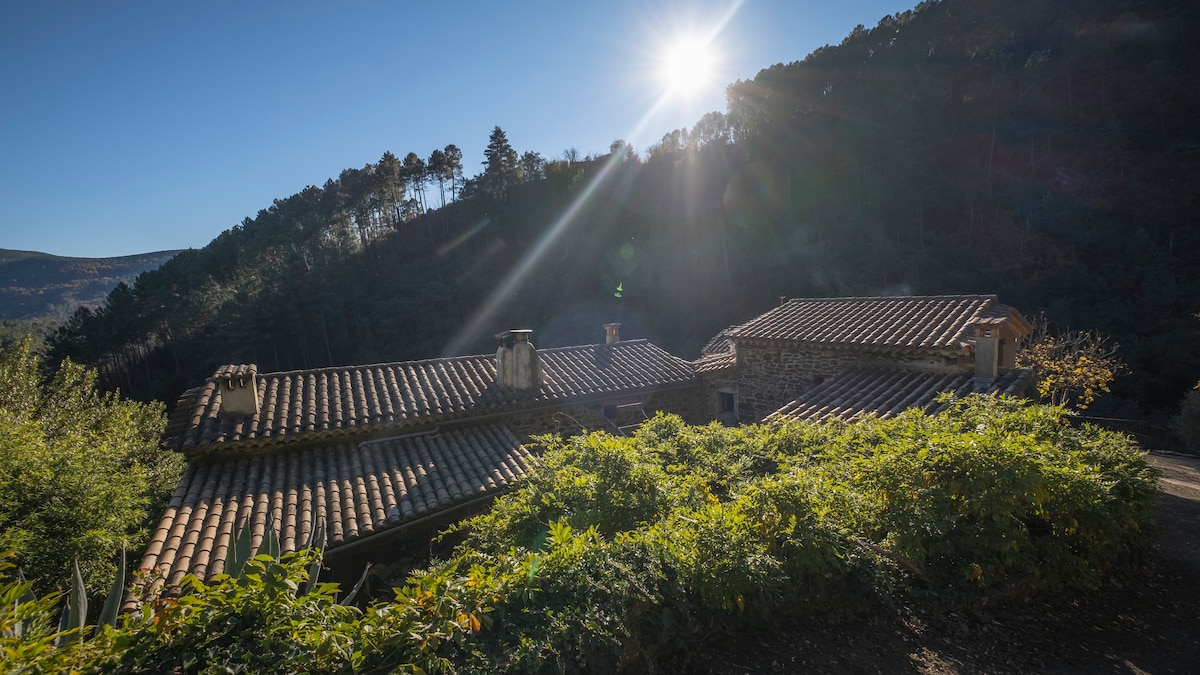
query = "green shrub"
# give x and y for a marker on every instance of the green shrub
(258, 622)
(80, 472)
(30, 641)
(994, 494)
(618, 554)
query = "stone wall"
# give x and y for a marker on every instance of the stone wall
(570, 419)
(767, 377)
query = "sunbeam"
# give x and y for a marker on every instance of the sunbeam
(486, 313)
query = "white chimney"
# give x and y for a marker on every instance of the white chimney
(517, 362)
(988, 339)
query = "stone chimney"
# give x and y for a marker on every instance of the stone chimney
(239, 389)
(517, 362)
(989, 343)
(612, 333)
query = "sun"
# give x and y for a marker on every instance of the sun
(687, 65)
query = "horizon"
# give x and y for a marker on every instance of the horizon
(140, 128)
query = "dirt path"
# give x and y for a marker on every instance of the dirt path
(1179, 511)
(1149, 626)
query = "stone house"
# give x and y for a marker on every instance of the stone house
(843, 357)
(391, 452)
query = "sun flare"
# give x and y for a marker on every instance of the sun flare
(687, 65)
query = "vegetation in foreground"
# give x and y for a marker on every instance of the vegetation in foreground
(81, 473)
(621, 554)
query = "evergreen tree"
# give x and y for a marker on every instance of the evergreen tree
(392, 186)
(437, 168)
(416, 175)
(454, 168)
(532, 166)
(500, 165)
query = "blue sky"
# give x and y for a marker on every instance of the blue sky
(128, 127)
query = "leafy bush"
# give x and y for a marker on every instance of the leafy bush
(617, 554)
(257, 622)
(29, 636)
(79, 471)
(993, 494)
(992, 497)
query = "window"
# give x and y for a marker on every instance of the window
(727, 407)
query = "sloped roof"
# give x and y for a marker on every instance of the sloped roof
(357, 490)
(718, 344)
(886, 392)
(943, 322)
(334, 402)
(714, 362)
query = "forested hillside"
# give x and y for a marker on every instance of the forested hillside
(1043, 150)
(42, 286)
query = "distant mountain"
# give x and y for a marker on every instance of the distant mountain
(43, 286)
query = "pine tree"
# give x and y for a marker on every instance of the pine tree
(500, 164)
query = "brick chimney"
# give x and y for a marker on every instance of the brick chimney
(517, 362)
(612, 333)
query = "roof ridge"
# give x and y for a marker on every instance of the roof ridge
(881, 298)
(432, 360)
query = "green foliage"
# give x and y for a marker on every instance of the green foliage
(993, 495)
(14, 331)
(619, 553)
(501, 166)
(30, 641)
(78, 471)
(992, 498)
(259, 622)
(41, 290)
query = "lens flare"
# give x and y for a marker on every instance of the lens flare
(702, 66)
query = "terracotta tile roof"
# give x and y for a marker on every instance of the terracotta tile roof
(357, 490)
(335, 402)
(719, 343)
(239, 373)
(886, 392)
(944, 322)
(714, 362)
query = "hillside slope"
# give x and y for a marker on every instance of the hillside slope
(43, 286)
(1043, 150)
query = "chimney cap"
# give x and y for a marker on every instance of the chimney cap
(514, 335)
(612, 333)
